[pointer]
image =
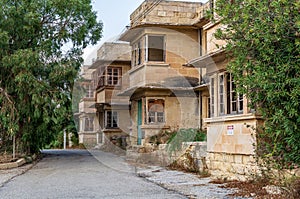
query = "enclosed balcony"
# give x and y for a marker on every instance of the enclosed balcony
(87, 105)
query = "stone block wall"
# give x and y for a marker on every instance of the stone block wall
(88, 139)
(212, 44)
(232, 166)
(160, 155)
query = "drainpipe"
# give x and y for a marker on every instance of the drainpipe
(200, 110)
(200, 100)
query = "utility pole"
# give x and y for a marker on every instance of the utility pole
(14, 146)
(65, 139)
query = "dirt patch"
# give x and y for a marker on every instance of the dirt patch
(7, 159)
(251, 189)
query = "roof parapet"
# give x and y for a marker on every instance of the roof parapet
(164, 12)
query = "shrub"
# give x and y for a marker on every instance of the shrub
(185, 135)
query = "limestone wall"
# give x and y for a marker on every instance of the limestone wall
(114, 51)
(232, 166)
(88, 138)
(166, 12)
(232, 136)
(188, 109)
(211, 44)
(85, 106)
(162, 156)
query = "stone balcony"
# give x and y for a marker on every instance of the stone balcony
(110, 96)
(87, 105)
(150, 74)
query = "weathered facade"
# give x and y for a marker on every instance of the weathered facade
(174, 43)
(160, 87)
(113, 61)
(225, 113)
(88, 130)
(173, 75)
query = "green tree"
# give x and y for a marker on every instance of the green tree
(263, 41)
(41, 46)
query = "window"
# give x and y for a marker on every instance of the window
(155, 48)
(211, 5)
(111, 119)
(113, 76)
(205, 43)
(223, 95)
(212, 97)
(95, 79)
(200, 31)
(81, 125)
(89, 91)
(208, 107)
(136, 54)
(110, 77)
(234, 100)
(88, 124)
(155, 111)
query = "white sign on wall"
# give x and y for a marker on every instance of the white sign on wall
(230, 129)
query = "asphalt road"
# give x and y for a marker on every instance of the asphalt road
(82, 174)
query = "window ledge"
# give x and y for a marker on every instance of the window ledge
(136, 68)
(155, 126)
(227, 118)
(106, 87)
(87, 132)
(157, 64)
(112, 130)
(148, 64)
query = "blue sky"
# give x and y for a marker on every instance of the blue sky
(115, 16)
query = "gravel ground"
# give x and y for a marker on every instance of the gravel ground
(187, 184)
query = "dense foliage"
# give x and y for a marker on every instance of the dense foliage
(264, 41)
(41, 46)
(184, 135)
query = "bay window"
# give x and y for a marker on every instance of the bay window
(136, 54)
(110, 77)
(155, 48)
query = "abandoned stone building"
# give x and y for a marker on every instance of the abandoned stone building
(175, 77)
(88, 126)
(108, 77)
(178, 79)
(161, 88)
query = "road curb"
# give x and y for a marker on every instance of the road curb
(12, 165)
(18, 163)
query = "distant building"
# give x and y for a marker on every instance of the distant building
(113, 62)
(88, 130)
